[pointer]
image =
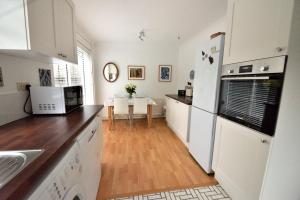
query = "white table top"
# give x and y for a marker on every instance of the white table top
(110, 101)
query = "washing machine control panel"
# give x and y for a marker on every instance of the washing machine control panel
(64, 179)
(61, 179)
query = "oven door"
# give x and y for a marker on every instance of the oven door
(73, 97)
(251, 100)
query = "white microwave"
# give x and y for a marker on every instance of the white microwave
(55, 100)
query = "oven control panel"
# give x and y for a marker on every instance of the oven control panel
(262, 66)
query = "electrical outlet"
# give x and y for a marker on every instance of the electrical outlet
(21, 86)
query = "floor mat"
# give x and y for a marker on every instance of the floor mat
(215, 192)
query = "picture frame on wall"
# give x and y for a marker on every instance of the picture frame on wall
(45, 77)
(165, 73)
(136, 72)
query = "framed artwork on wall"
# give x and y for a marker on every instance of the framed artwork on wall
(136, 72)
(165, 73)
(45, 77)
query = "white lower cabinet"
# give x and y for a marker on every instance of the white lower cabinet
(177, 116)
(90, 143)
(240, 157)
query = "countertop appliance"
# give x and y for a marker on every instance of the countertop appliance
(181, 93)
(205, 100)
(251, 91)
(63, 182)
(55, 100)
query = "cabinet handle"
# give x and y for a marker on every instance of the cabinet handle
(279, 49)
(62, 55)
(264, 141)
(92, 135)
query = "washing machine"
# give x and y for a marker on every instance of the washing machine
(63, 182)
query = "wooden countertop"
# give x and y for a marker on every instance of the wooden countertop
(182, 99)
(54, 134)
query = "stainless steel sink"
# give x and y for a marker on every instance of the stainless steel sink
(13, 162)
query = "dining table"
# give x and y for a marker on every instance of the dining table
(110, 105)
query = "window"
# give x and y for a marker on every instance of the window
(81, 74)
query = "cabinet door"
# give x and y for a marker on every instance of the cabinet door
(182, 120)
(257, 29)
(168, 110)
(13, 22)
(64, 29)
(242, 156)
(41, 27)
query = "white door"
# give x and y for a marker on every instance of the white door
(64, 27)
(241, 159)
(207, 75)
(257, 29)
(202, 137)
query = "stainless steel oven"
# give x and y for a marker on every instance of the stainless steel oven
(250, 93)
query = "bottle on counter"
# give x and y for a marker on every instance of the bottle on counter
(189, 89)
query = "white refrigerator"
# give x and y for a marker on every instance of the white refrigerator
(209, 60)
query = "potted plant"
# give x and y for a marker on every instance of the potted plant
(130, 89)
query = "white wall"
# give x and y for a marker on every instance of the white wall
(282, 180)
(15, 69)
(187, 50)
(124, 54)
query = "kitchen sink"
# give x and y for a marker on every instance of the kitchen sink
(13, 162)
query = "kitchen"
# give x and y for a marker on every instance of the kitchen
(240, 123)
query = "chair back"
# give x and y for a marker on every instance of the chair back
(140, 105)
(121, 105)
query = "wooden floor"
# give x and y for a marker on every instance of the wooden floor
(140, 160)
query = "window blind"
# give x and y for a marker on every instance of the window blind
(80, 74)
(60, 75)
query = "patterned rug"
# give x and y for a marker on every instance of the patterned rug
(215, 192)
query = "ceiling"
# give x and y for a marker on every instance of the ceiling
(162, 20)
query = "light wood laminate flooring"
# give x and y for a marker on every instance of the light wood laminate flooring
(140, 160)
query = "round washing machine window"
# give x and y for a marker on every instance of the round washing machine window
(75, 193)
(76, 197)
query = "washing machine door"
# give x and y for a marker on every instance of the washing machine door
(75, 193)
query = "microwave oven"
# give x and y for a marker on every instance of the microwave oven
(55, 100)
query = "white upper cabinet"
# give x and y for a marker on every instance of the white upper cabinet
(38, 28)
(41, 27)
(257, 29)
(64, 29)
(13, 35)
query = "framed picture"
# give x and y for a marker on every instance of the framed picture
(136, 72)
(45, 77)
(165, 73)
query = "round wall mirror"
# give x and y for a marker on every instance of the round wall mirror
(111, 72)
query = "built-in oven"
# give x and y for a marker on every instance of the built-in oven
(250, 93)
